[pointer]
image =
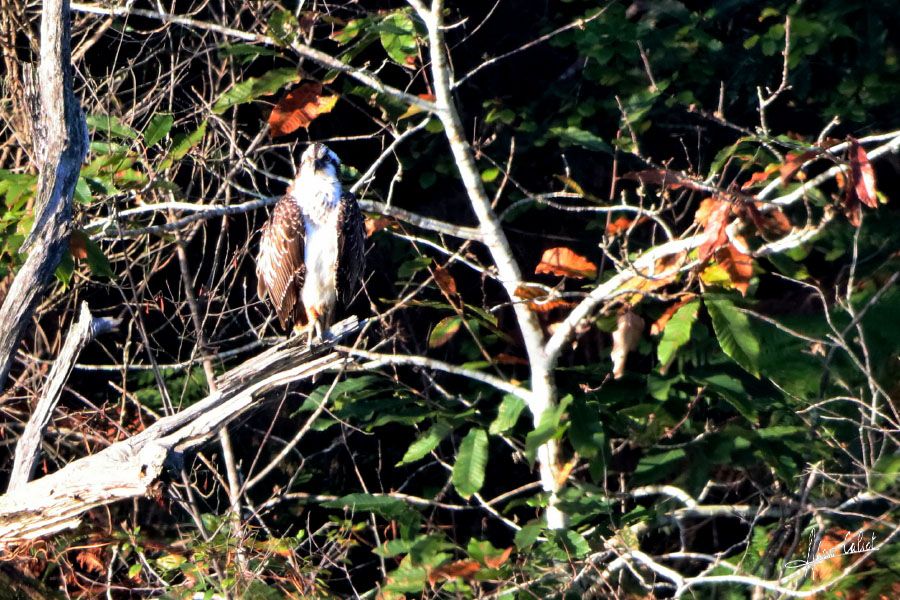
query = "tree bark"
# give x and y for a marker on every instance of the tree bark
(60, 137)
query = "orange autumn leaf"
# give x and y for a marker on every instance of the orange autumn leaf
(563, 261)
(89, 561)
(538, 299)
(298, 108)
(495, 562)
(376, 224)
(621, 224)
(460, 569)
(738, 265)
(713, 216)
(794, 163)
(759, 177)
(863, 175)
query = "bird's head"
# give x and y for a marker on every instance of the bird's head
(319, 160)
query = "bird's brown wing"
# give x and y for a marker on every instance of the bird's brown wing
(351, 249)
(280, 269)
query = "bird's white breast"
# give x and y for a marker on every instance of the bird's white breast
(319, 198)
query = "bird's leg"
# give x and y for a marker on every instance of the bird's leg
(314, 325)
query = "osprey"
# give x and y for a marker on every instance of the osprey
(311, 255)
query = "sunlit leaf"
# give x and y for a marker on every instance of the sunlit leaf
(427, 442)
(253, 87)
(468, 471)
(398, 37)
(563, 261)
(460, 569)
(158, 128)
(444, 331)
(507, 414)
(111, 126)
(298, 108)
(733, 331)
(677, 332)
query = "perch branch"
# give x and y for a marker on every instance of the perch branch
(29, 444)
(128, 469)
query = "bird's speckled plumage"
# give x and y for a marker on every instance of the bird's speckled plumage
(312, 251)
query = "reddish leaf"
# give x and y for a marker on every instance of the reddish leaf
(78, 244)
(621, 224)
(445, 281)
(298, 108)
(461, 569)
(713, 216)
(415, 109)
(508, 359)
(539, 301)
(563, 261)
(794, 163)
(738, 265)
(495, 562)
(859, 187)
(863, 175)
(759, 177)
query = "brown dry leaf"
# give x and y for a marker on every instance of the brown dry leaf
(298, 108)
(659, 325)
(89, 561)
(713, 216)
(508, 359)
(628, 331)
(563, 261)
(460, 569)
(495, 562)
(738, 265)
(529, 292)
(78, 244)
(566, 470)
(445, 281)
(376, 224)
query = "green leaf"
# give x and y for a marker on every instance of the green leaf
(398, 37)
(254, 87)
(547, 429)
(97, 261)
(111, 126)
(134, 570)
(183, 144)
(444, 331)
(65, 269)
(468, 472)
(528, 535)
(677, 333)
(507, 414)
(428, 442)
(657, 466)
(157, 128)
(573, 136)
(733, 331)
(283, 26)
(246, 53)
